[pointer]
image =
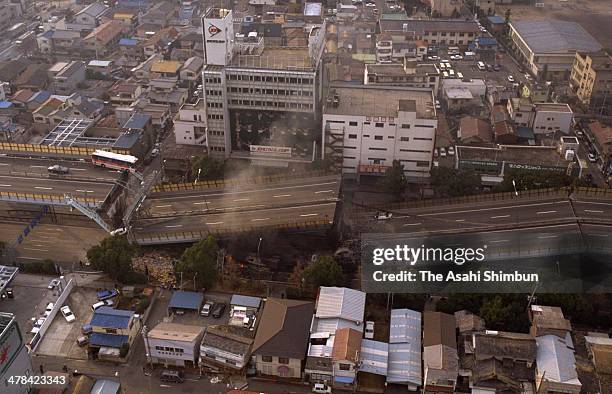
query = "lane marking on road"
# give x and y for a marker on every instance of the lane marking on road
(493, 208)
(43, 188)
(78, 169)
(547, 236)
(174, 225)
(498, 241)
(594, 210)
(6, 185)
(84, 191)
(597, 235)
(37, 250)
(282, 195)
(213, 223)
(38, 166)
(412, 224)
(545, 212)
(309, 214)
(241, 199)
(324, 191)
(259, 219)
(163, 206)
(29, 258)
(500, 216)
(460, 220)
(196, 203)
(4, 164)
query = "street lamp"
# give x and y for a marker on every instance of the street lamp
(258, 247)
(514, 186)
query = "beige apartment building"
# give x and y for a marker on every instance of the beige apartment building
(591, 76)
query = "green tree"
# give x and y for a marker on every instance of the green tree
(395, 181)
(200, 262)
(530, 180)
(325, 271)
(450, 182)
(114, 256)
(505, 313)
(208, 168)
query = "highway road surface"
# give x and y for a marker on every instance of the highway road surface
(245, 198)
(484, 215)
(25, 175)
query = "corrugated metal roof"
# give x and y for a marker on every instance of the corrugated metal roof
(111, 318)
(552, 36)
(404, 361)
(107, 340)
(341, 302)
(556, 360)
(186, 300)
(247, 301)
(373, 357)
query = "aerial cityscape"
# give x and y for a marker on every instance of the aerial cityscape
(306, 196)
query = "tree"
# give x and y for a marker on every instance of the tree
(325, 271)
(200, 262)
(449, 182)
(530, 180)
(207, 167)
(505, 313)
(395, 181)
(114, 256)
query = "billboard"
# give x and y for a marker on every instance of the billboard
(262, 150)
(10, 344)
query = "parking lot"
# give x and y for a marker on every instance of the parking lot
(60, 339)
(196, 319)
(31, 298)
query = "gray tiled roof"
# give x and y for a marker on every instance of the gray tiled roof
(548, 36)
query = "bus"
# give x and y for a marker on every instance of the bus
(112, 160)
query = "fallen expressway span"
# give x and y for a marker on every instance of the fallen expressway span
(293, 204)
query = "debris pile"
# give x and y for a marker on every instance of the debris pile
(159, 267)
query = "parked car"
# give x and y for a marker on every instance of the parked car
(207, 308)
(86, 329)
(68, 315)
(436, 153)
(48, 309)
(53, 284)
(321, 388)
(8, 292)
(171, 376)
(511, 78)
(106, 294)
(82, 340)
(383, 215)
(218, 310)
(592, 158)
(369, 330)
(101, 304)
(497, 67)
(57, 169)
(442, 152)
(438, 105)
(451, 151)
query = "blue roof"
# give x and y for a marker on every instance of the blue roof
(496, 19)
(137, 121)
(127, 140)
(248, 301)
(186, 300)
(486, 41)
(47, 34)
(525, 132)
(41, 96)
(5, 104)
(128, 41)
(108, 317)
(107, 340)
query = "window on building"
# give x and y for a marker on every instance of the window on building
(380, 125)
(383, 149)
(378, 137)
(266, 359)
(404, 139)
(283, 360)
(352, 123)
(345, 367)
(405, 126)
(352, 136)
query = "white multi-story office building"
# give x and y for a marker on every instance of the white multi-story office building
(261, 95)
(174, 344)
(368, 127)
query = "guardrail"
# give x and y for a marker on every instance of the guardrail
(220, 183)
(191, 236)
(485, 197)
(65, 177)
(56, 150)
(593, 192)
(36, 198)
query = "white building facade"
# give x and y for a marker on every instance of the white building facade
(552, 118)
(190, 124)
(368, 140)
(174, 344)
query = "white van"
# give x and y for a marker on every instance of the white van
(481, 66)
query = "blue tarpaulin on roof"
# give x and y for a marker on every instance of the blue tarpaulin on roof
(107, 340)
(128, 42)
(111, 318)
(344, 379)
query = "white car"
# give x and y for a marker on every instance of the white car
(68, 315)
(383, 216)
(370, 5)
(53, 284)
(369, 330)
(48, 309)
(451, 151)
(592, 158)
(101, 304)
(438, 105)
(510, 78)
(442, 152)
(321, 388)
